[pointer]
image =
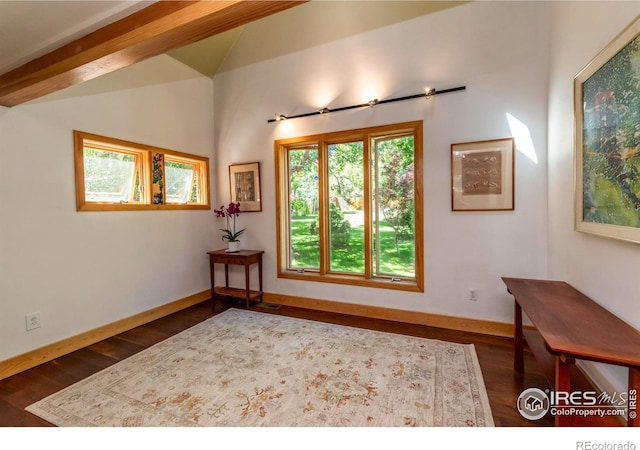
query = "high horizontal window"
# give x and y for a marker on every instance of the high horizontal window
(112, 174)
(350, 207)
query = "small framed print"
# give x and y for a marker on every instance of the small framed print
(244, 182)
(482, 175)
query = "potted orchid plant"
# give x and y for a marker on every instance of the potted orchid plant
(230, 234)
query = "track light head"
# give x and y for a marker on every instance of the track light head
(429, 92)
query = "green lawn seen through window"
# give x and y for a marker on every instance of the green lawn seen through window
(350, 258)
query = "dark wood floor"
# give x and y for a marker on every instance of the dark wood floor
(494, 353)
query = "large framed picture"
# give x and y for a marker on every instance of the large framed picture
(482, 175)
(607, 140)
(244, 182)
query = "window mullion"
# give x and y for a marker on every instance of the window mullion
(323, 201)
(368, 239)
(145, 177)
(376, 188)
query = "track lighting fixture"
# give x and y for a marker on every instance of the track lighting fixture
(428, 93)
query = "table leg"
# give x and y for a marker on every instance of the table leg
(563, 384)
(213, 283)
(260, 275)
(247, 282)
(634, 386)
(518, 340)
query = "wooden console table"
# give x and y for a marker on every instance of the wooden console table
(571, 326)
(242, 258)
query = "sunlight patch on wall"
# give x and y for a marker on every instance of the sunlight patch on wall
(371, 81)
(524, 143)
(368, 91)
(323, 94)
(285, 126)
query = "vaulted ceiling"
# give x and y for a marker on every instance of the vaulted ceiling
(46, 46)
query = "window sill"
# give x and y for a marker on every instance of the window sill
(136, 206)
(353, 280)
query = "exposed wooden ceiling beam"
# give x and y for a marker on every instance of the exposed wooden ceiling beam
(154, 30)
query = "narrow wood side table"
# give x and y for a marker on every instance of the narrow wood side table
(244, 258)
(570, 326)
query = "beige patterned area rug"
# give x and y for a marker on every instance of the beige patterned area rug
(244, 368)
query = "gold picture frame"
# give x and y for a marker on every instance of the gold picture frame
(482, 175)
(244, 184)
(607, 140)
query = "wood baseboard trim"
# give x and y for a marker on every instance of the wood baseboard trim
(49, 352)
(44, 354)
(501, 329)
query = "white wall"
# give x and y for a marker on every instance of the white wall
(80, 270)
(604, 269)
(499, 51)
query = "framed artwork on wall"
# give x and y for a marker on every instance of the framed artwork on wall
(482, 175)
(607, 140)
(244, 183)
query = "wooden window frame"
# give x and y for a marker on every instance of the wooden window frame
(368, 279)
(144, 155)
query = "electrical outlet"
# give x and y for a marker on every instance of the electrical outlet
(473, 295)
(33, 321)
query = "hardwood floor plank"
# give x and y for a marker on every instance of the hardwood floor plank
(116, 348)
(146, 335)
(494, 355)
(16, 417)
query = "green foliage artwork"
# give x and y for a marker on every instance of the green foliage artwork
(611, 140)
